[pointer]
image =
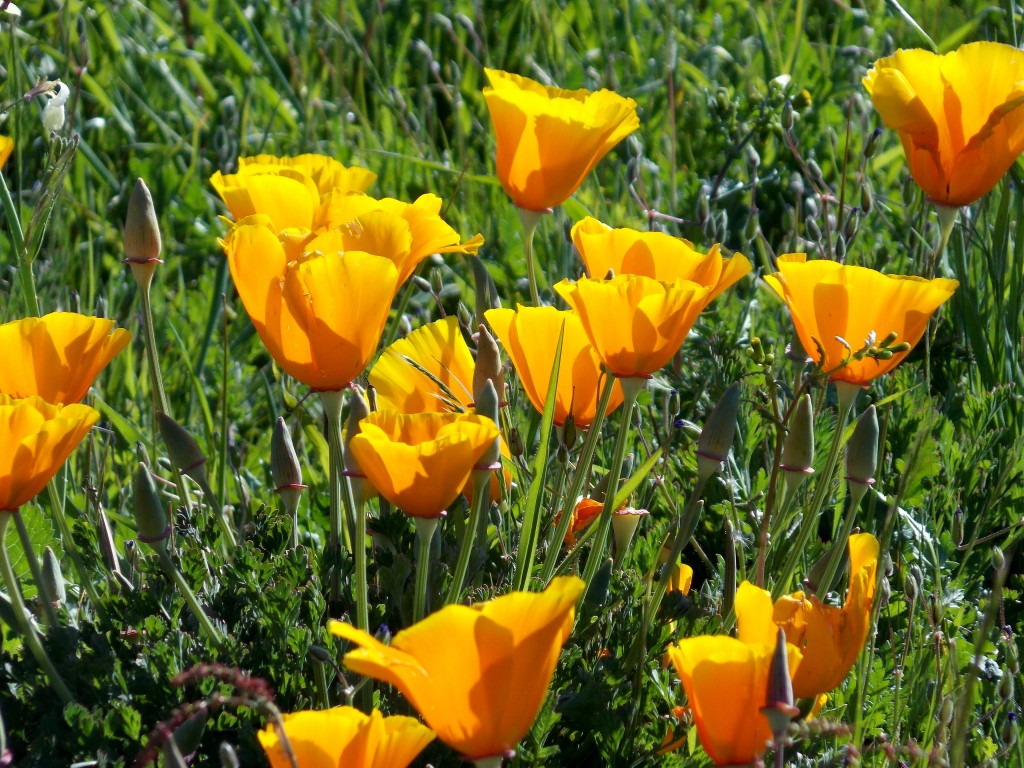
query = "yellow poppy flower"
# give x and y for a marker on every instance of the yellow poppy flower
(406, 233)
(833, 303)
(403, 373)
(57, 356)
(344, 737)
(292, 191)
(6, 148)
(549, 139)
(319, 312)
(478, 675)
(421, 461)
(654, 254)
(726, 680)
(530, 337)
(960, 115)
(36, 439)
(584, 513)
(636, 324)
(831, 638)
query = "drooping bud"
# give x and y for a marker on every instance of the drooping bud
(150, 516)
(798, 448)
(862, 455)
(867, 200)
(142, 235)
(779, 708)
(488, 363)
(182, 449)
(515, 443)
(568, 433)
(53, 579)
(717, 436)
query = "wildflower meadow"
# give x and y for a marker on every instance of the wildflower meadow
(514, 383)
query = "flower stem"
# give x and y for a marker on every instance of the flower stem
(857, 491)
(332, 402)
(84, 579)
(26, 278)
(191, 601)
(631, 389)
(425, 527)
(530, 220)
(359, 546)
(33, 565)
(28, 630)
(481, 492)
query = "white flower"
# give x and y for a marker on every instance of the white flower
(53, 112)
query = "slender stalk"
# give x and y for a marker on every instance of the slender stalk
(530, 220)
(481, 492)
(947, 218)
(332, 401)
(191, 601)
(27, 628)
(359, 546)
(84, 578)
(33, 565)
(219, 511)
(425, 527)
(857, 491)
(631, 389)
(847, 395)
(687, 525)
(26, 278)
(159, 395)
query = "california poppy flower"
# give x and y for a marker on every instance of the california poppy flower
(6, 148)
(344, 737)
(960, 115)
(584, 513)
(320, 313)
(654, 254)
(406, 233)
(636, 324)
(290, 190)
(57, 356)
(36, 438)
(421, 461)
(829, 638)
(530, 338)
(478, 675)
(837, 308)
(549, 139)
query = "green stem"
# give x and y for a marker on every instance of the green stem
(481, 493)
(219, 512)
(530, 220)
(359, 545)
(84, 578)
(191, 601)
(159, 395)
(26, 278)
(425, 527)
(332, 401)
(687, 525)
(556, 533)
(822, 489)
(27, 628)
(835, 560)
(947, 218)
(37, 575)
(631, 389)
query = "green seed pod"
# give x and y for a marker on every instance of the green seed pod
(150, 516)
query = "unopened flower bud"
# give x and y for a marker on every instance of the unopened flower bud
(488, 363)
(515, 442)
(779, 708)
(867, 200)
(624, 523)
(285, 469)
(798, 449)
(569, 433)
(716, 438)
(862, 451)
(998, 559)
(1006, 685)
(487, 405)
(910, 588)
(946, 711)
(958, 526)
(53, 579)
(182, 449)
(1008, 733)
(142, 235)
(486, 291)
(597, 593)
(729, 585)
(787, 116)
(53, 112)
(436, 281)
(150, 516)
(872, 142)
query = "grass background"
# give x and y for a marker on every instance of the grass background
(174, 91)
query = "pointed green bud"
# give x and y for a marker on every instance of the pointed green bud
(487, 405)
(820, 566)
(798, 448)
(1006, 685)
(436, 281)
(285, 469)
(515, 443)
(867, 200)
(488, 363)
(597, 593)
(142, 235)
(958, 526)
(150, 516)
(719, 429)
(998, 559)
(569, 433)
(779, 708)
(182, 449)
(53, 579)
(486, 291)
(862, 450)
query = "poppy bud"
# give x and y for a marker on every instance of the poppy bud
(150, 516)
(53, 579)
(141, 235)
(488, 363)
(862, 453)
(182, 449)
(716, 438)
(779, 708)
(798, 448)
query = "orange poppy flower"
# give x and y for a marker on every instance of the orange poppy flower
(530, 337)
(837, 308)
(319, 312)
(478, 675)
(549, 139)
(6, 148)
(290, 190)
(344, 737)
(960, 116)
(36, 438)
(584, 513)
(655, 255)
(636, 324)
(57, 356)
(421, 461)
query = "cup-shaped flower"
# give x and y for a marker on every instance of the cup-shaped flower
(636, 324)
(319, 312)
(959, 115)
(584, 513)
(430, 370)
(57, 356)
(344, 737)
(549, 139)
(654, 254)
(290, 190)
(478, 675)
(406, 233)
(36, 438)
(421, 461)
(831, 638)
(6, 148)
(726, 680)
(840, 310)
(530, 337)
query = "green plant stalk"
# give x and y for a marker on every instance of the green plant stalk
(425, 527)
(530, 220)
(359, 547)
(857, 491)
(159, 395)
(169, 568)
(332, 401)
(219, 511)
(556, 533)
(947, 218)
(26, 278)
(481, 491)
(847, 395)
(579, 477)
(28, 631)
(687, 526)
(84, 579)
(37, 575)
(631, 388)
(322, 690)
